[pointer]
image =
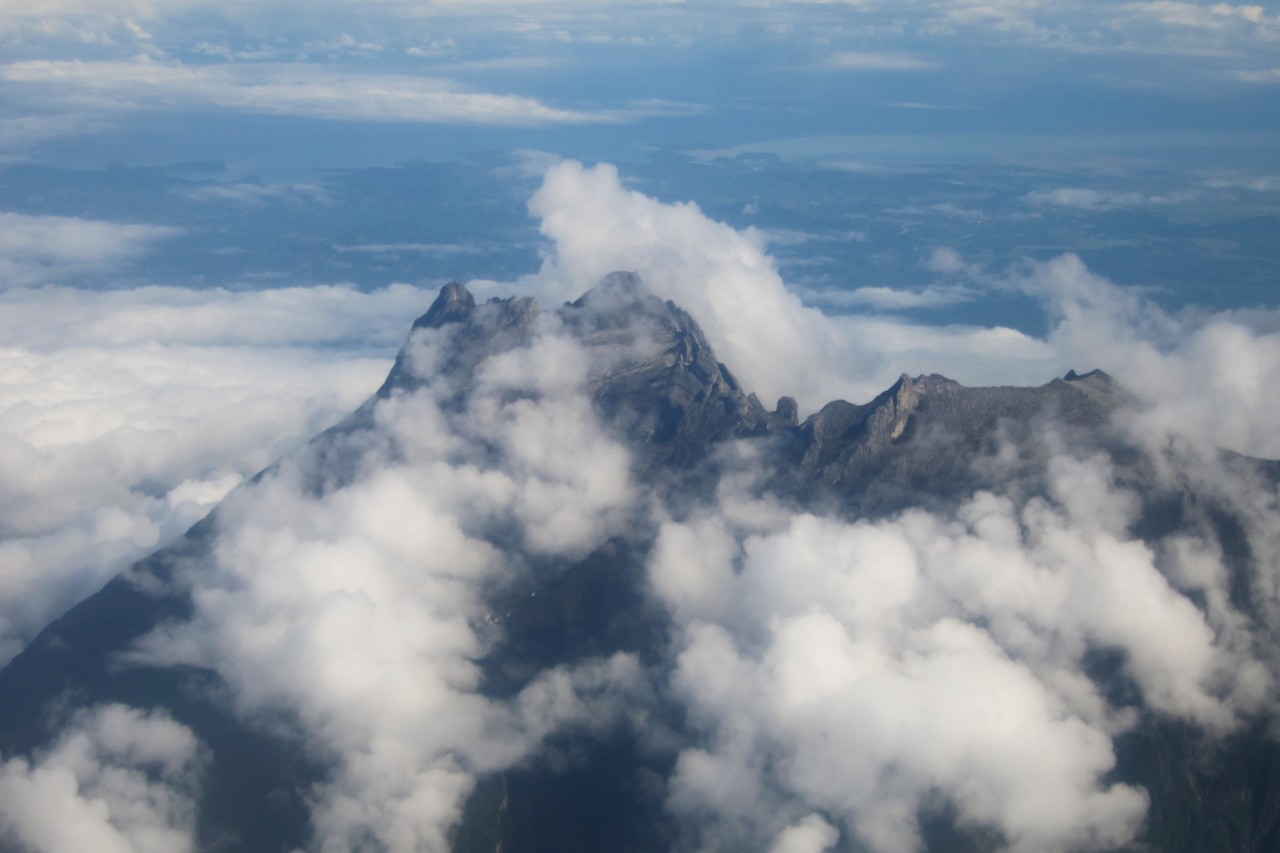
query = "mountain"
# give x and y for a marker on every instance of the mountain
(570, 450)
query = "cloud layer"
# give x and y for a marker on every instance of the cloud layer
(863, 670)
(126, 415)
(296, 89)
(38, 250)
(117, 780)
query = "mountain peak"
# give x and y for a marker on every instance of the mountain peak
(617, 300)
(659, 381)
(1095, 376)
(620, 282)
(653, 374)
(454, 304)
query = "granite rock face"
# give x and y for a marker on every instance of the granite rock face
(925, 437)
(660, 384)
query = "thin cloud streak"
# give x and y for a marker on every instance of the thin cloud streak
(866, 61)
(313, 91)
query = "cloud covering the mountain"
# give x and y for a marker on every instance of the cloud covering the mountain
(729, 283)
(794, 633)
(359, 607)
(117, 779)
(944, 653)
(1203, 377)
(126, 415)
(873, 670)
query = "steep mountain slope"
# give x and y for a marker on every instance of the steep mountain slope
(573, 640)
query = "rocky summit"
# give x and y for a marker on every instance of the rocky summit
(688, 431)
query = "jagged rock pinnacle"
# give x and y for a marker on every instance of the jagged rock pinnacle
(788, 410)
(454, 304)
(1096, 375)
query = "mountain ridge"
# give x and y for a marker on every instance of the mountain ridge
(654, 381)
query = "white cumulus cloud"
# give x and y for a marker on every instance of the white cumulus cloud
(126, 415)
(1204, 377)
(36, 250)
(861, 668)
(117, 779)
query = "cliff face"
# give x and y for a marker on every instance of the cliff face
(658, 390)
(663, 388)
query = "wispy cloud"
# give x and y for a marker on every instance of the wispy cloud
(52, 249)
(1265, 75)
(921, 105)
(1081, 198)
(412, 248)
(503, 63)
(876, 61)
(1013, 18)
(1198, 16)
(889, 298)
(257, 194)
(298, 89)
(1255, 183)
(1223, 29)
(19, 133)
(1160, 27)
